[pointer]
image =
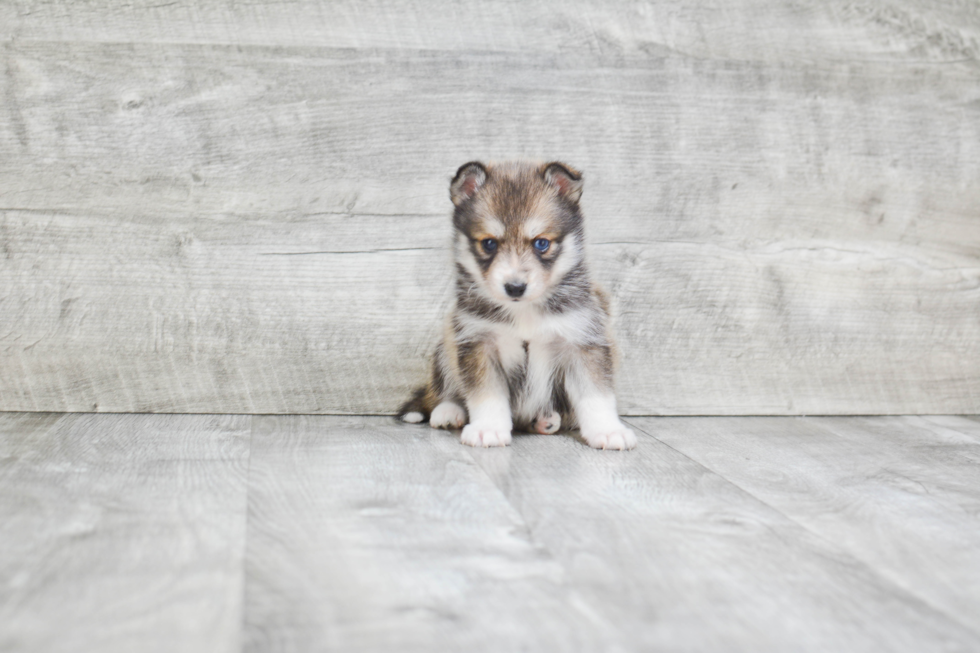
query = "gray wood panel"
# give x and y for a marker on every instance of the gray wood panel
(837, 30)
(366, 535)
(901, 494)
(122, 532)
(243, 208)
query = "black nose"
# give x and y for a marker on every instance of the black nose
(515, 289)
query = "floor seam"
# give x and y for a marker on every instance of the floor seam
(248, 484)
(567, 583)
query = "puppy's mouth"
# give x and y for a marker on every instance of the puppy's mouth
(526, 298)
(503, 298)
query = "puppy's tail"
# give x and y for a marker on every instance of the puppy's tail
(418, 408)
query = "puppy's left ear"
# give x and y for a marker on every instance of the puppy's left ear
(567, 180)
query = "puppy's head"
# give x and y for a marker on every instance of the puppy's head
(518, 226)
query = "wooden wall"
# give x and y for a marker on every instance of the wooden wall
(243, 207)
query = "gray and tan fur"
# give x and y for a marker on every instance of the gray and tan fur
(527, 344)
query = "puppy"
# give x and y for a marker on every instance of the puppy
(527, 344)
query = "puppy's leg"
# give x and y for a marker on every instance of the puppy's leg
(490, 423)
(428, 399)
(588, 382)
(487, 397)
(537, 395)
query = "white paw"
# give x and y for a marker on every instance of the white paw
(476, 436)
(447, 415)
(616, 438)
(413, 417)
(547, 424)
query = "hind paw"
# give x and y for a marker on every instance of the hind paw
(547, 423)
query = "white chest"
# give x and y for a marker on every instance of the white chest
(536, 336)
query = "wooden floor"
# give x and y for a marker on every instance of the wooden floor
(302, 533)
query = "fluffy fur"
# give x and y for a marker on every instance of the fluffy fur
(527, 344)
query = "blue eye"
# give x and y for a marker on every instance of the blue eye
(489, 245)
(542, 244)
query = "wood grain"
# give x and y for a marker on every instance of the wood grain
(900, 494)
(244, 208)
(838, 30)
(122, 532)
(365, 535)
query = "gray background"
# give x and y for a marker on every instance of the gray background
(243, 208)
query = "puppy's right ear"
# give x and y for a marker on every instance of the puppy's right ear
(467, 181)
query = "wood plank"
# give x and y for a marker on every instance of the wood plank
(739, 30)
(328, 130)
(233, 327)
(227, 327)
(367, 535)
(900, 494)
(122, 532)
(682, 559)
(211, 228)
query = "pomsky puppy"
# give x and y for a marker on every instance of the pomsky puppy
(527, 344)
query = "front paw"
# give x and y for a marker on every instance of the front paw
(447, 415)
(618, 437)
(477, 436)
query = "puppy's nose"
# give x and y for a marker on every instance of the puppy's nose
(515, 290)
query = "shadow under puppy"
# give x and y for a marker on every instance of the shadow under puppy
(527, 344)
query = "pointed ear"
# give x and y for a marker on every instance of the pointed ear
(467, 181)
(566, 179)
